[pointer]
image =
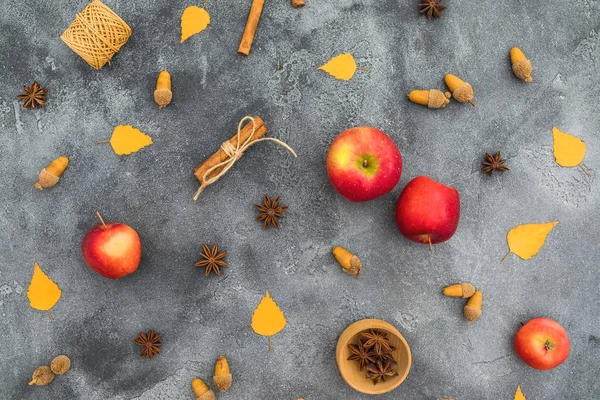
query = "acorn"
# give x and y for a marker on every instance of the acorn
(521, 66)
(350, 263)
(60, 364)
(202, 391)
(51, 174)
(42, 376)
(473, 308)
(432, 98)
(461, 90)
(464, 290)
(163, 94)
(222, 378)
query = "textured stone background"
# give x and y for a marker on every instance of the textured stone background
(96, 319)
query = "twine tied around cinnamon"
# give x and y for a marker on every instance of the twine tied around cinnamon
(96, 34)
(234, 153)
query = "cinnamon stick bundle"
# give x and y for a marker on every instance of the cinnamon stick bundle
(221, 156)
(298, 3)
(251, 25)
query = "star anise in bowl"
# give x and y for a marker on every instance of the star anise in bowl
(380, 370)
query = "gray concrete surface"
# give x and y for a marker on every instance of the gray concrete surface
(200, 318)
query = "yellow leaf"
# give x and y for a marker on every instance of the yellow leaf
(527, 240)
(569, 150)
(194, 20)
(126, 139)
(519, 395)
(268, 319)
(340, 67)
(43, 293)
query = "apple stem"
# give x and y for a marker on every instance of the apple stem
(50, 315)
(430, 246)
(505, 257)
(100, 217)
(584, 170)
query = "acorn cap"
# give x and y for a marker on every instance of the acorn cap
(467, 289)
(464, 93)
(60, 364)
(42, 376)
(222, 382)
(472, 314)
(522, 70)
(46, 180)
(210, 395)
(438, 99)
(163, 97)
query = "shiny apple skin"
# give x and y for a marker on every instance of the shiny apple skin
(542, 343)
(346, 160)
(428, 211)
(113, 250)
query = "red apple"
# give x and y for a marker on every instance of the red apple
(363, 163)
(113, 250)
(428, 211)
(542, 343)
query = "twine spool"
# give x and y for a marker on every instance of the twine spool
(96, 34)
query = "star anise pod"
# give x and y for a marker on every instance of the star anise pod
(431, 8)
(150, 343)
(380, 370)
(212, 259)
(360, 353)
(493, 163)
(33, 96)
(377, 341)
(270, 212)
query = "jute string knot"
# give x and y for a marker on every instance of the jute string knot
(234, 153)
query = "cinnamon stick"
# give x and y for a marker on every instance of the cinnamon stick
(250, 30)
(298, 3)
(220, 155)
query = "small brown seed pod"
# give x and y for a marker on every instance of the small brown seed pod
(42, 376)
(521, 66)
(163, 94)
(222, 378)
(60, 364)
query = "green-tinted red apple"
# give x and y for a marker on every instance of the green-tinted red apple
(428, 211)
(113, 250)
(363, 163)
(542, 343)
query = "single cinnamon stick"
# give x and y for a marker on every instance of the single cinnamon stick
(298, 3)
(220, 155)
(250, 30)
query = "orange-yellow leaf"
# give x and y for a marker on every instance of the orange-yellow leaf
(527, 240)
(341, 67)
(126, 139)
(268, 319)
(519, 395)
(569, 150)
(193, 20)
(43, 293)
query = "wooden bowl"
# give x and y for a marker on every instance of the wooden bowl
(349, 368)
